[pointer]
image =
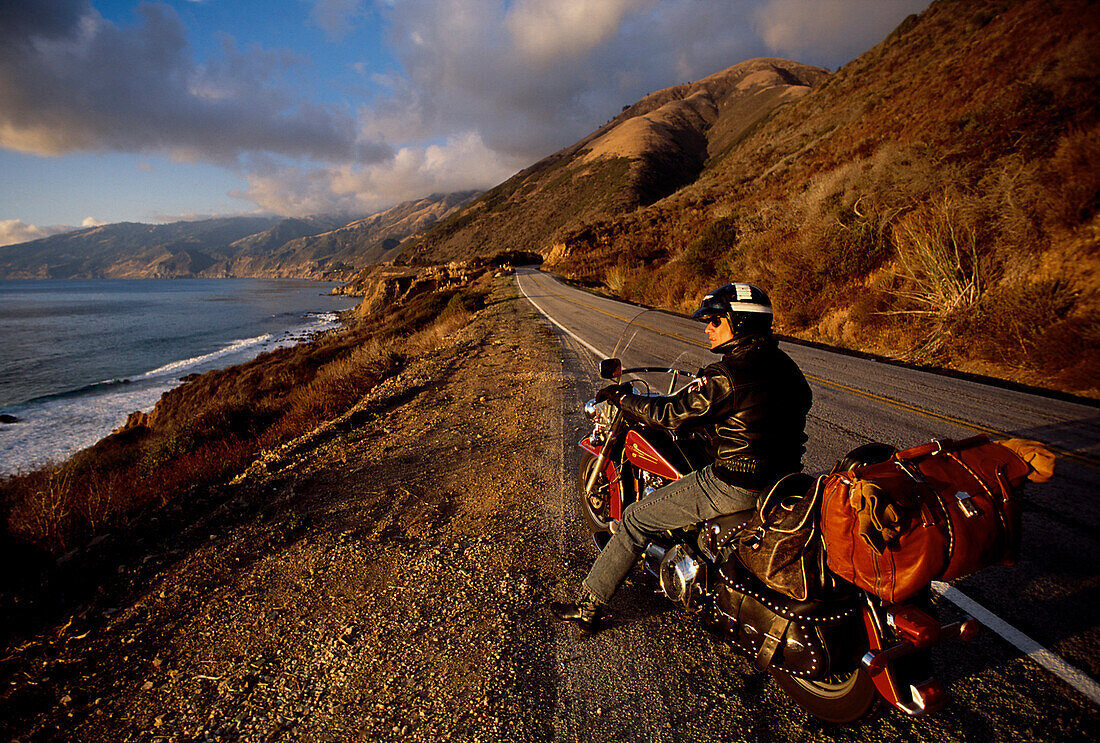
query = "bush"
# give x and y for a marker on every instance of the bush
(936, 252)
(716, 241)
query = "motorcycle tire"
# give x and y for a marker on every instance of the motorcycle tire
(842, 698)
(597, 507)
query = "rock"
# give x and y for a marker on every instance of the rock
(8, 418)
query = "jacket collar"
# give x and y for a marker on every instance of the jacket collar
(745, 345)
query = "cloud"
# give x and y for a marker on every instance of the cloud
(477, 88)
(72, 81)
(336, 17)
(461, 163)
(92, 222)
(544, 29)
(13, 231)
(836, 30)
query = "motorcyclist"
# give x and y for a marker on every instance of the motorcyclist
(751, 408)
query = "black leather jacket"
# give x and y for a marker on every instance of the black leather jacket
(751, 407)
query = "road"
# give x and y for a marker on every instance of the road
(1049, 597)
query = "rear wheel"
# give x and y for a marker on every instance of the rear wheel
(840, 698)
(597, 506)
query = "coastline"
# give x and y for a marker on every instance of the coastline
(75, 413)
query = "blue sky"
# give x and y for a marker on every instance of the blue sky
(155, 111)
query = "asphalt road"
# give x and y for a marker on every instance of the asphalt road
(1050, 596)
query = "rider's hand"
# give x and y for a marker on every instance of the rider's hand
(614, 393)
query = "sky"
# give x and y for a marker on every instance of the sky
(115, 110)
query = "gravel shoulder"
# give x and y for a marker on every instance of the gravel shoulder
(380, 579)
(385, 579)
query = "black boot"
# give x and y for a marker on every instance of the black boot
(585, 612)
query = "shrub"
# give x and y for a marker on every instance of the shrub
(717, 239)
(936, 252)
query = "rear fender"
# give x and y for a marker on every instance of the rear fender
(914, 697)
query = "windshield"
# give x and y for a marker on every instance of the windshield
(660, 353)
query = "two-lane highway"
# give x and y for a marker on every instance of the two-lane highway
(1050, 596)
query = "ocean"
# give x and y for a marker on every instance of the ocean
(77, 357)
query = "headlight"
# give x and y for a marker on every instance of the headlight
(591, 409)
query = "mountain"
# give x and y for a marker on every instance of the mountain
(128, 250)
(648, 151)
(934, 200)
(309, 247)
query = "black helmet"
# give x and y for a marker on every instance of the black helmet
(746, 307)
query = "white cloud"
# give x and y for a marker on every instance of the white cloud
(461, 163)
(13, 231)
(92, 222)
(336, 17)
(835, 29)
(546, 29)
(73, 81)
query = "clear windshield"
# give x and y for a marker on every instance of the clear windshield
(660, 353)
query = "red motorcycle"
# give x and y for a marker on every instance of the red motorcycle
(837, 654)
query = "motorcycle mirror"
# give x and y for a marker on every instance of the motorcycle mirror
(611, 368)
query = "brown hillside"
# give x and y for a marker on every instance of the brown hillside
(933, 200)
(652, 148)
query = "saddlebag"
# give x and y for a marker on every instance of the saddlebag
(803, 638)
(934, 512)
(780, 544)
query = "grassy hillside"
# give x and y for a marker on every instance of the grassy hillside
(647, 152)
(934, 200)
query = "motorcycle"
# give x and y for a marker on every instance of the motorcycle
(840, 654)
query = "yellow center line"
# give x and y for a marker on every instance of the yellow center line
(1080, 457)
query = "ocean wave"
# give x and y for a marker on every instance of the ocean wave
(175, 367)
(106, 385)
(53, 427)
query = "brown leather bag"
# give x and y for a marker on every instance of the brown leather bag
(937, 511)
(781, 543)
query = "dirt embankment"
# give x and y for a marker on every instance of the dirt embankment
(381, 578)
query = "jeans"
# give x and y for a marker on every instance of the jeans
(697, 497)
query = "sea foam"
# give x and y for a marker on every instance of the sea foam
(54, 427)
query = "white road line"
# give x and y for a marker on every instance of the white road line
(561, 327)
(1057, 665)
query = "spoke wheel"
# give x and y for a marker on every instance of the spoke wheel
(596, 507)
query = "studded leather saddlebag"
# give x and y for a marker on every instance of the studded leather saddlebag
(934, 512)
(803, 638)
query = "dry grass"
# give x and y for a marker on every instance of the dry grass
(213, 426)
(936, 252)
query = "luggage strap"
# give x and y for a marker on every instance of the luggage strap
(773, 638)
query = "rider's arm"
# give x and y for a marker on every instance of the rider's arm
(709, 394)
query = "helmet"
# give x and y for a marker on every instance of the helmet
(746, 307)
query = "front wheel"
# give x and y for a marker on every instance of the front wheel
(840, 698)
(597, 506)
